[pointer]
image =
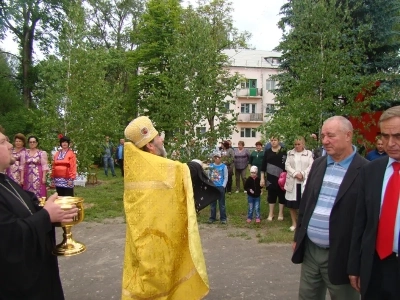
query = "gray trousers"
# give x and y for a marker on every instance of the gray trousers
(314, 280)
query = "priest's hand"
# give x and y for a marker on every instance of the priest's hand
(56, 213)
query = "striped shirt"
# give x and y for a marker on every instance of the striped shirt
(318, 228)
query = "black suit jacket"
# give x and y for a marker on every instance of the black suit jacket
(366, 221)
(341, 218)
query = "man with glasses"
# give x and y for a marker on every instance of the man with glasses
(374, 263)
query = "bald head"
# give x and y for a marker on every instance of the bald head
(343, 123)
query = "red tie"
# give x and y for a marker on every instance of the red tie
(384, 239)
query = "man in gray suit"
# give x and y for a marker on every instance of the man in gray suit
(324, 229)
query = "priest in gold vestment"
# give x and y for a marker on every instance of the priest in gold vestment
(163, 253)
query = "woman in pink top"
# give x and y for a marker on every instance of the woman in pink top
(14, 171)
(34, 166)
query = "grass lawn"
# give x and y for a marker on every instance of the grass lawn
(104, 200)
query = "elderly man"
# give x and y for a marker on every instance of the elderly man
(323, 234)
(374, 264)
(163, 254)
(29, 269)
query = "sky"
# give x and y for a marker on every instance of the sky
(259, 17)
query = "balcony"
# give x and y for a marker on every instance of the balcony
(249, 93)
(245, 118)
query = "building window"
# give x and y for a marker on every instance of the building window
(200, 131)
(248, 132)
(248, 108)
(249, 83)
(270, 85)
(227, 106)
(270, 108)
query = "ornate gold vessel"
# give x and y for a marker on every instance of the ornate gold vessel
(69, 246)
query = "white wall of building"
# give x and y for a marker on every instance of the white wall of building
(252, 106)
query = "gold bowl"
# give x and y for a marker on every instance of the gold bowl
(69, 246)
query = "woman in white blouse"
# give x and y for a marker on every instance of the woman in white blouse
(298, 165)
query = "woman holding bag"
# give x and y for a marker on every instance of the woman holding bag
(297, 165)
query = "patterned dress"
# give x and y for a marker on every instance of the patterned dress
(33, 167)
(14, 171)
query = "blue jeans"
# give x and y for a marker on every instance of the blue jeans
(108, 162)
(222, 208)
(254, 206)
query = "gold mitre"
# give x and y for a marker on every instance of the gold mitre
(140, 131)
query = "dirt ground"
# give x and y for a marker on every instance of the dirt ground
(238, 266)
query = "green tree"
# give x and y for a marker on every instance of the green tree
(75, 97)
(184, 78)
(112, 23)
(156, 35)
(201, 82)
(13, 115)
(324, 66)
(30, 21)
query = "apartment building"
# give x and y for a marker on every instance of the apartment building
(253, 99)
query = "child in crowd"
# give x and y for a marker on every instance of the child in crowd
(253, 189)
(218, 175)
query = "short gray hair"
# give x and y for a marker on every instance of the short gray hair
(345, 124)
(389, 113)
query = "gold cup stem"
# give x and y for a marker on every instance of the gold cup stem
(68, 246)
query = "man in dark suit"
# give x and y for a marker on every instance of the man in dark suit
(374, 266)
(323, 234)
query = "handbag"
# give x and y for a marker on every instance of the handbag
(282, 180)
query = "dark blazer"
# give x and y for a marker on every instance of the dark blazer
(366, 221)
(341, 218)
(204, 190)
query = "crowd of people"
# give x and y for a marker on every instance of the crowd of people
(344, 211)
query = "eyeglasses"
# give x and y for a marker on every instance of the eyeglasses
(253, 172)
(32, 142)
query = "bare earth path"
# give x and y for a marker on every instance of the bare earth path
(238, 266)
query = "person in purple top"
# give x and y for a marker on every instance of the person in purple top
(14, 171)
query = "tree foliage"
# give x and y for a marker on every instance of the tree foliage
(327, 62)
(184, 79)
(105, 62)
(76, 99)
(13, 115)
(30, 21)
